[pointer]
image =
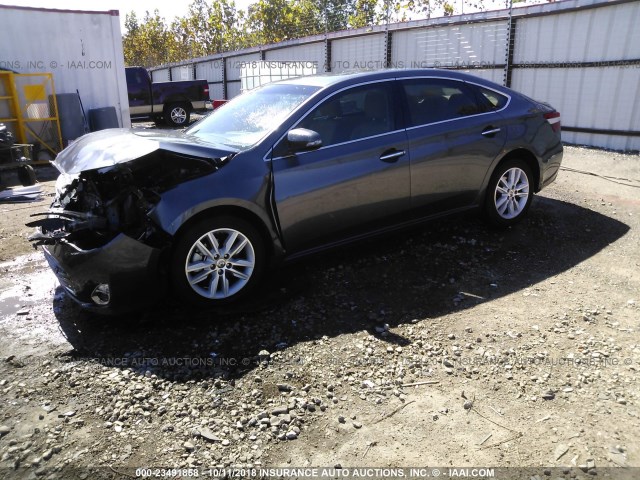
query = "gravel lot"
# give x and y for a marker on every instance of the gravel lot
(450, 345)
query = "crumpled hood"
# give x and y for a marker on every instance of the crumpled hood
(119, 145)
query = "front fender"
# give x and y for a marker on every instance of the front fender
(184, 202)
(171, 220)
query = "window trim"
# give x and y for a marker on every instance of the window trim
(312, 108)
(460, 81)
(268, 156)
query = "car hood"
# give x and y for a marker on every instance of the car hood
(110, 147)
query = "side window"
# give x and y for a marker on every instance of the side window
(492, 100)
(356, 113)
(434, 100)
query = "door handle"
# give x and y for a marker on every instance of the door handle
(391, 156)
(490, 131)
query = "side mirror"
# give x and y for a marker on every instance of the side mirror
(302, 139)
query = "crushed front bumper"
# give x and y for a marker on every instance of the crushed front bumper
(129, 268)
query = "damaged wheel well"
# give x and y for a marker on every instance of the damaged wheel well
(233, 211)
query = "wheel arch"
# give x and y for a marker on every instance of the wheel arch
(496, 214)
(177, 99)
(234, 211)
(529, 158)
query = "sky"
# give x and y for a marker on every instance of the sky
(168, 9)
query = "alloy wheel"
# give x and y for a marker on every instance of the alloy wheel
(178, 115)
(512, 193)
(220, 263)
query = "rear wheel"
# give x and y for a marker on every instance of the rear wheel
(217, 261)
(177, 114)
(509, 193)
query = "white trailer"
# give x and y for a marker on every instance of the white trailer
(82, 49)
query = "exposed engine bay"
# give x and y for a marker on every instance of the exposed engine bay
(93, 206)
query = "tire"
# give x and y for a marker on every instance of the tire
(205, 277)
(177, 114)
(509, 193)
(26, 175)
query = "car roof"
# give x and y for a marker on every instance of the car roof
(328, 79)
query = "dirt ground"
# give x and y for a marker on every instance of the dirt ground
(450, 346)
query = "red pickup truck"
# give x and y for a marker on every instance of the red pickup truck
(171, 102)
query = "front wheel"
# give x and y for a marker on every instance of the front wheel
(217, 261)
(509, 193)
(177, 114)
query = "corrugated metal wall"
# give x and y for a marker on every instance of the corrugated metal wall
(473, 44)
(161, 75)
(263, 72)
(582, 56)
(358, 53)
(183, 72)
(233, 67)
(83, 50)
(310, 52)
(608, 32)
(211, 71)
(575, 61)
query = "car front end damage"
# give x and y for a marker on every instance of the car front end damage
(98, 235)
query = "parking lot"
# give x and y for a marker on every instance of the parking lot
(452, 344)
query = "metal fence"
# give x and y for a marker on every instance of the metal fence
(582, 56)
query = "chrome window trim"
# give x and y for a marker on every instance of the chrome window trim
(347, 142)
(267, 157)
(466, 116)
(470, 83)
(370, 82)
(451, 120)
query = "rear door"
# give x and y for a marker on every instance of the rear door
(454, 134)
(357, 181)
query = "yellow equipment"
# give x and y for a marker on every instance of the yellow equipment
(29, 108)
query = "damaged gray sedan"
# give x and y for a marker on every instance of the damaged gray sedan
(286, 170)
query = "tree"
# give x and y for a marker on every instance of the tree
(271, 21)
(209, 28)
(133, 52)
(365, 14)
(148, 43)
(216, 26)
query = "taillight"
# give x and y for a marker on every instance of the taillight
(205, 90)
(554, 120)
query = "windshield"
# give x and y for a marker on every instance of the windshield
(245, 120)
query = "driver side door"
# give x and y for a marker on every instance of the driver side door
(357, 181)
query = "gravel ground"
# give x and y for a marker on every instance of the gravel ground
(450, 345)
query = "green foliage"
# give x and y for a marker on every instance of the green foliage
(272, 21)
(209, 28)
(215, 26)
(364, 14)
(148, 43)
